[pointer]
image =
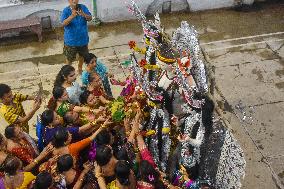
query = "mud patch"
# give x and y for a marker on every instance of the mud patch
(280, 85)
(50, 60)
(281, 61)
(117, 28)
(46, 93)
(27, 80)
(225, 106)
(281, 175)
(240, 7)
(260, 147)
(279, 73)
(258, 73)
(267, 55)
(113, 60)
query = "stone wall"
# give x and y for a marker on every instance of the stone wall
(115, 10)
(17, 9)
(107, 10)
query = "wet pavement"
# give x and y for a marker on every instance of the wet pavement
(246, 49)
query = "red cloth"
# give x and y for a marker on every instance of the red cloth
(144, 185)
(23, 154)
(97, 92)
(146, 155)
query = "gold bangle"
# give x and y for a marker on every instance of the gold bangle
(94, 122)
(35, 161)
(103, 126)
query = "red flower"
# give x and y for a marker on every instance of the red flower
(132, 44)
(142, 62)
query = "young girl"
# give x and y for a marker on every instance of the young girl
(67, 78)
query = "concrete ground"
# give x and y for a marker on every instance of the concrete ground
(246, 49)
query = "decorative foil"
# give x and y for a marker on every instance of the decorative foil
(231, 164)
(189, 159)
(160, 155)
(166, 142)
(187, 90)
(224, 173)
(152, 140)
(185, 39)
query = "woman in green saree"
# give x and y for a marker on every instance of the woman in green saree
(59, 103)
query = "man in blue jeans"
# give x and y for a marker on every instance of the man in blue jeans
(74, 19)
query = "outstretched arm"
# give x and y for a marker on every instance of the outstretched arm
(46, 151)
(29, 115)
(87, 168)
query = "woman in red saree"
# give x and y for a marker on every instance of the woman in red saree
(20, 144)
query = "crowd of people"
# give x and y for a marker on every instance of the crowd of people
(80, 142)
(88, 139)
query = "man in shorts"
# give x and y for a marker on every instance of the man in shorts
(74, 19)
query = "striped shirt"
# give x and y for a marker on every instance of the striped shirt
(11, 113)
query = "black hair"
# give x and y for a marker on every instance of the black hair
(68, 119)
(90, 181)
(122, 172)
(167, 100)
(43, 180)
(103, 137)
(64, 72)
(47, 117)
(10, 132)
(12, 164)
(84, 97)
(173, 163)
(89, 57)
(60, 137)
(64, 163)
(4, 89)
(1, 138)
(207, 115)
(91, 78)
(121, 153)
(103, 155)
(57, 92)
(150, 175)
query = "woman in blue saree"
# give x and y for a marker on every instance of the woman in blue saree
(95, 65)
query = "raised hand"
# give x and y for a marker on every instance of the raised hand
(37, 104)
(106, 123)
(47, 150)
(126, 121)
(87, 166)
(98, 170)
(74, 13)
(101, 118)
(174, 120)
(183, 138)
